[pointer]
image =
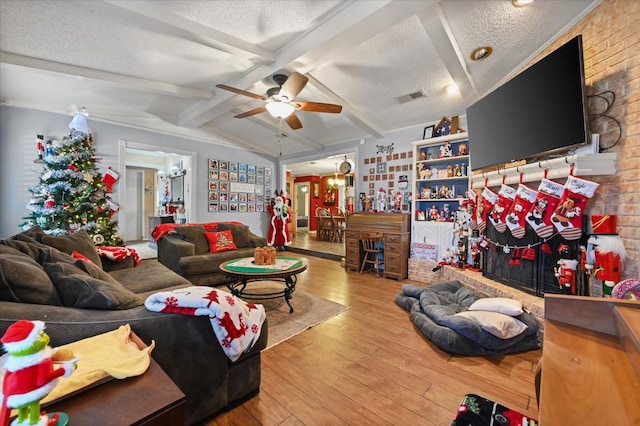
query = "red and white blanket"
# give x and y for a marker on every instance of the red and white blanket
(118, 254)
(236, 324)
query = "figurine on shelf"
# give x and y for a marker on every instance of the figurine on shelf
(29, 374)
(40, 147)
(463, 149)
(449, 171)
(443, 191)
(423, 155)
(424, 172)
(433, 213)
(457, 171)
(445, 150)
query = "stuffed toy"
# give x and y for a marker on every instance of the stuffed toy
(30, 374)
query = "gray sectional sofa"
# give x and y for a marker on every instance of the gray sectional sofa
(40, 280)
(185, 250)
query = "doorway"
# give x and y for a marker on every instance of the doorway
(133, 200)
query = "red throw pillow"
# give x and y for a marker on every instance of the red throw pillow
(79, 256)
(220, 241)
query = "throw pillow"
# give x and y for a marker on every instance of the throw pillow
(195, 235)
(79, 241)
(22, 280)
(220, 241)
(78, 289)
(503, 305)
(91, 269)
(240, 233)
(500, 325)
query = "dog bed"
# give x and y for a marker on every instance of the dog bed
(433, 311)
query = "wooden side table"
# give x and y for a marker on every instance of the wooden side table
(149, 399)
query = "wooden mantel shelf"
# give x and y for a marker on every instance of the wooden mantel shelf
(590, 362)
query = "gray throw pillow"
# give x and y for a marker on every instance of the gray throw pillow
(240, 234)
(195, 235)
(78, 289)
(79, 241)
(22, 280)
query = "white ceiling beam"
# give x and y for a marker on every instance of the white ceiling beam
(119, 79)
(441, 35)
(185, 28)
(358, 118)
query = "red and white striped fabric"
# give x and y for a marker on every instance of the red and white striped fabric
(118, 254)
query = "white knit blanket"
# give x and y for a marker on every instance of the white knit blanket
(236, 323)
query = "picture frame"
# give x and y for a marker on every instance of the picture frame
(213, 207)
(427, 133)
(316, 189)
(213, 164)
(233, 167)
(224, 165)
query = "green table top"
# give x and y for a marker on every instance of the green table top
(246, 265)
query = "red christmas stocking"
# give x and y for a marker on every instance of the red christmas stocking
(522, 203)
(489, 198)
(109, 178)
(498, 214)
(567, 216)
(539, 215)
(473, 209)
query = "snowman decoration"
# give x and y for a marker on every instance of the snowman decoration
(29, 374)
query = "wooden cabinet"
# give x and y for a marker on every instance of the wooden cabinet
(397, 236)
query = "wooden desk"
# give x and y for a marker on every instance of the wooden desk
(149, 399)
(396, 228)
(590, 362)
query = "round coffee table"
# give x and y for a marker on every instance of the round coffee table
(241, 272)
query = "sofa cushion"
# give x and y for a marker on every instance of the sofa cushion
(194, 234)
(93, 270)
(149, 275)
(31, 248)
(78, 289)
(241, 234)
(79, 241)
(23, 280)
(220, 241)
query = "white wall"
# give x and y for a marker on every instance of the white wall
(18, 172)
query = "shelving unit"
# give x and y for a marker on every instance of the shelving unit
(441, 181)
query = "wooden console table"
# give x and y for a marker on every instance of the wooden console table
(150, 399)
(590, 361)
(396, 228)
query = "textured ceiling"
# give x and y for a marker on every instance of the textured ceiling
(155, 65)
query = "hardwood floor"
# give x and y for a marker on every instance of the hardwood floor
(369, 365)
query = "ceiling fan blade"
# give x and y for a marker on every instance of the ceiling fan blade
(294, 85)
(251, 112)
(240, 92)
(317, 107)
(293, 121)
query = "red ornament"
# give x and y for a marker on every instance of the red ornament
(73, 167)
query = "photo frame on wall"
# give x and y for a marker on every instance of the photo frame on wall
(222, 175)
(316, 189)
(428, 132)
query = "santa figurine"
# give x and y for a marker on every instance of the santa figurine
(29, 373)
(278, 229)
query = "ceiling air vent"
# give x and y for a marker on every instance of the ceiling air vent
(412, 96)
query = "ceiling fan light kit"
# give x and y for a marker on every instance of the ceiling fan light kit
(279, 100)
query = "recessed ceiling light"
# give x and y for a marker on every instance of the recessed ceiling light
(452, 88)
(480, 53)
(521, 3)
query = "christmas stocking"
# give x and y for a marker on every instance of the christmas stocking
(567, 216)
(489, 198)
(473, 209)
(522, 203)
(110, 177)
(113, 207)
(539, 215)
(498, 214)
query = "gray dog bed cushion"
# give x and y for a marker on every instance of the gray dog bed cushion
(432, 310)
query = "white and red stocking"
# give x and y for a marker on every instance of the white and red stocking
(472, 206)
(113, 207)
(521, 205)
(109, 178)
(567, 216)
(498, 214)
(539, 215)
(489, 199)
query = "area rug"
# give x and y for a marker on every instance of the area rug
(308, 311)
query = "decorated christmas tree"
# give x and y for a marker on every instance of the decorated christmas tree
(72, 194)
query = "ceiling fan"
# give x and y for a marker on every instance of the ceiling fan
(279, 100)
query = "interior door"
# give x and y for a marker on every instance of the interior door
(133, 209)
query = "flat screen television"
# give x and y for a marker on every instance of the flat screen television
(542, 110)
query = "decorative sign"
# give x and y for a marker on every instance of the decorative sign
(385, 149)
(242, 187)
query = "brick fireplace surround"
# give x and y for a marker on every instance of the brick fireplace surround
(421, 270)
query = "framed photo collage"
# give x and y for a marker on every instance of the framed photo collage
(238, 187)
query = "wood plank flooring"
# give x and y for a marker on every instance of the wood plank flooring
(370, 366)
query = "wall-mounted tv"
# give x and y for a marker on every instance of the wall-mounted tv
(543, 110)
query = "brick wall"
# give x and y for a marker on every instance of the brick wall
(611, 41)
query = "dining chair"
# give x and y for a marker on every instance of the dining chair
(373, 248)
